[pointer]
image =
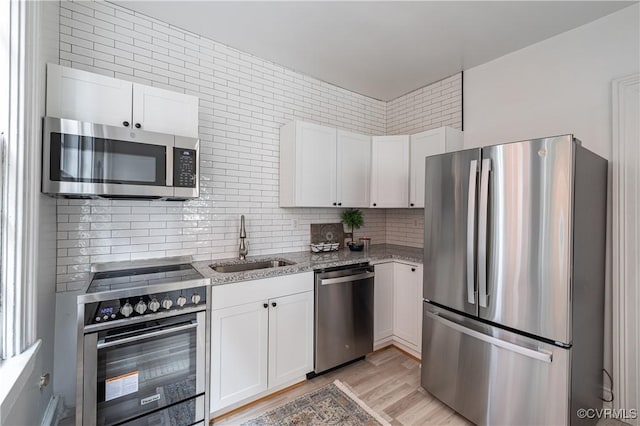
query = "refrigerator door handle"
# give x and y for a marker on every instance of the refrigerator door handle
(471, 232)
(540, 354)
(482, 232)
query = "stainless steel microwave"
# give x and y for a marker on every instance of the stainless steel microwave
(86, 160)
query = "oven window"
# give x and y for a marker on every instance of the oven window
(96, 160)
(147, 374)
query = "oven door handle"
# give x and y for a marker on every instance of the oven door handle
(102, 344)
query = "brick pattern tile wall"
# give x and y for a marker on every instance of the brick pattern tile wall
(438, 104)
(243, 102)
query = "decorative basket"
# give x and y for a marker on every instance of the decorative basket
(324, 247)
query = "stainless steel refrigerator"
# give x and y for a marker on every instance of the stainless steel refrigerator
(514, 265)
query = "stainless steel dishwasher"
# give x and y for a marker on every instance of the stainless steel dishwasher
(343, 315)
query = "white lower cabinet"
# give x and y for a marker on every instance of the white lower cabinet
(383, 304)
(238, 355)
(290, 338)
(407, 301)
(261, 338)
(397, 315)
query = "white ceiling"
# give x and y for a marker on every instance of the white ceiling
(379, 49)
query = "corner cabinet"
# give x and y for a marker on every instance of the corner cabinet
(383, 305)
(389, 171)
(323, 167)
(261, 338)
(431, 142)
(407, 302)
(84, 96)
(397, 315)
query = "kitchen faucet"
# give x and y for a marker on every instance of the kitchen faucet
(243, 250)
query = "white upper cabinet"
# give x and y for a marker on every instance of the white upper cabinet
(354, 169)
(164, 111)
(431, 142)
(85, 96)
(94, 98)
(323, 167)
(390, 171)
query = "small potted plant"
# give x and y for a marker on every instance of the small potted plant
(353, 219)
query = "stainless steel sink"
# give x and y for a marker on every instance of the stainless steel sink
(250, 266)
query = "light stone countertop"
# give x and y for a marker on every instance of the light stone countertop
(307, 261)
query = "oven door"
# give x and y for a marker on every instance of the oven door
(90, 159)
(148, 371)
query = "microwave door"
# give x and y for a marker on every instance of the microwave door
(83, 159)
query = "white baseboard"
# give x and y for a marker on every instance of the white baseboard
(606, 395)
(54, 411)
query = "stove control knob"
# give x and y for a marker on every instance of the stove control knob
(141, 307)
(181, 301)
(167, 303)
(126, 309)
(154, 305)
(195, 298)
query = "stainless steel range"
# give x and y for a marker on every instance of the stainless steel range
(143, 345)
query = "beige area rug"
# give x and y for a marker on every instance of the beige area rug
(333, 404)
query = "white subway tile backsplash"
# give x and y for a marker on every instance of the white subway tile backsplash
(243, 102)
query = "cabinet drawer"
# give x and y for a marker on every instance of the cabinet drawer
(223, 296)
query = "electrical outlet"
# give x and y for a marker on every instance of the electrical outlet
(294, 223)
(415, 223)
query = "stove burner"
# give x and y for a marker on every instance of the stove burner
(144, 291)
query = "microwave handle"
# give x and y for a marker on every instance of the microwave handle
(169, 167)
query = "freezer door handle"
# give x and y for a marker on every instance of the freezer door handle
(540, 354)
(471, 232)
(482, 232)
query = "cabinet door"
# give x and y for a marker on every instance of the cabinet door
(423, 144)
(354, 169)
(407, 309)
(383, 302)
(85, 96)
(290, 338)
(164, 111)
(315, 165)
(431, 142)
(238, 353)
(390, 171)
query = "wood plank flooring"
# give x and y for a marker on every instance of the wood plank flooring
(388, 381)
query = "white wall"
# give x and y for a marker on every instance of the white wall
(558, 86)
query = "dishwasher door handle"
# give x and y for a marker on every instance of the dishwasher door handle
(347, 278)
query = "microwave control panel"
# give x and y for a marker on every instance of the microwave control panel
(184, 167)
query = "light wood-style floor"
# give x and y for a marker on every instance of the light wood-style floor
(388, 381)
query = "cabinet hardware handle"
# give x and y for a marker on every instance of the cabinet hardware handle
(412, 204)
(138, 125)
(274, 304)
(413, 269)
(339, 204)
(335, 204)
(266, 305)
(374, 204)
(125, 123)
